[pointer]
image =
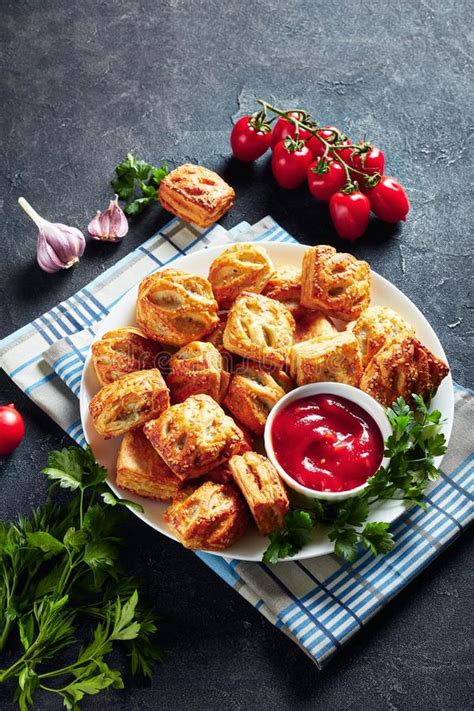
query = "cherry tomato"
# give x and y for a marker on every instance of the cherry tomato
(370, 162)
(325, 177)
(350, 214)
(284, 128)
(290, 166)
(12, 429)
(249, 142)
(318, 148)
(388, 200)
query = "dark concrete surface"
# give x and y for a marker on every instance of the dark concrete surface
(83, 83)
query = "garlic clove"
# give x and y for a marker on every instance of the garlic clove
(111, 225)
(59, 246)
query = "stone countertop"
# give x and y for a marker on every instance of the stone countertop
(83, 83)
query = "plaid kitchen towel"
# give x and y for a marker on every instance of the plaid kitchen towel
(320, 603)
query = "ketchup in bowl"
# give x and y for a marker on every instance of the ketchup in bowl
(327, 443)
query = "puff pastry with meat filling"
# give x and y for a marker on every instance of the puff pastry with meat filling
(241, 267)
(403, 367)
(335, 282)
(196, 194)
(140, 469)
(195, 436)
(334, 358)
(376, 327)
(259, 328)
(129, 402)
(210, 517)
(252, 393)
(263, 490)
(175, 307)
(197, 368)
(313, 324)
(123, 351)
(285, 286)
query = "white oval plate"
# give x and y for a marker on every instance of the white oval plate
(252, 545)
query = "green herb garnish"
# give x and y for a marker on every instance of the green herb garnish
(137, 183)
(415, 441)
(60, 578)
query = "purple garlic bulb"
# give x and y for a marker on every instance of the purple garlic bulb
(110, 225)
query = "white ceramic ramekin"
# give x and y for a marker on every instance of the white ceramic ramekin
(366, 402)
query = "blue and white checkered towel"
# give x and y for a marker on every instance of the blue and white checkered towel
(320, 603)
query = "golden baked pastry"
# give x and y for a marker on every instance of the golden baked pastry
(335, 282)
(123, 351)
(175, 307)
(210, 517)
(197, 368)
(313, 324)
(263, 490)
(285, 286)
(335, 358)
(259, 328)
(195, 436)
(241, 267)
(140, 469)
(195, 194)
(376, 327)
(129, 402)
(403, 367)
(252, 393)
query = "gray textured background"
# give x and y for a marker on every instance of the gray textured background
(83, 83)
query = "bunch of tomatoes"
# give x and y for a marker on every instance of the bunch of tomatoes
(350, 177)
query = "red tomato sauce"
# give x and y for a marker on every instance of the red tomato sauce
(327, 443)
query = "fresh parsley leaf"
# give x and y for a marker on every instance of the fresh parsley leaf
(137, 183)
(45, 541)
(291, 539)
(377, 538)
(345, 543)
(110, 499)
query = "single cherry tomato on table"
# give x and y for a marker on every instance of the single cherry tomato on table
(290, 161)
(326, 177)
(250, 138)
(350, 213)
(388, 200)
(369, 159)
(12, 429)
(284, 128)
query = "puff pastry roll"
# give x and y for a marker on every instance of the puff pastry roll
(175, 307)
(335, 282)
(313, 324)
(242, 267)
(263, 490)
(285, 286)
(123, 351)
(210, 517)
(334, 358)
(140, 469)
(197, 368)
(252, 393)
(376, 327)
(195, 436)
(196, 194)
(259, 328)
(403, 367)
(129, 402)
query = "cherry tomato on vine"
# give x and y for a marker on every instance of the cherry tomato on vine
(290, 163)
(388, 200)
(284, 128)
(12, 429)
(250, 138)
(349, 213)
(318, 148)
(325, 177)
(369, 161)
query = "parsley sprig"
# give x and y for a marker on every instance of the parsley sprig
(415, 441)
(137, 183)
(60, 575)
